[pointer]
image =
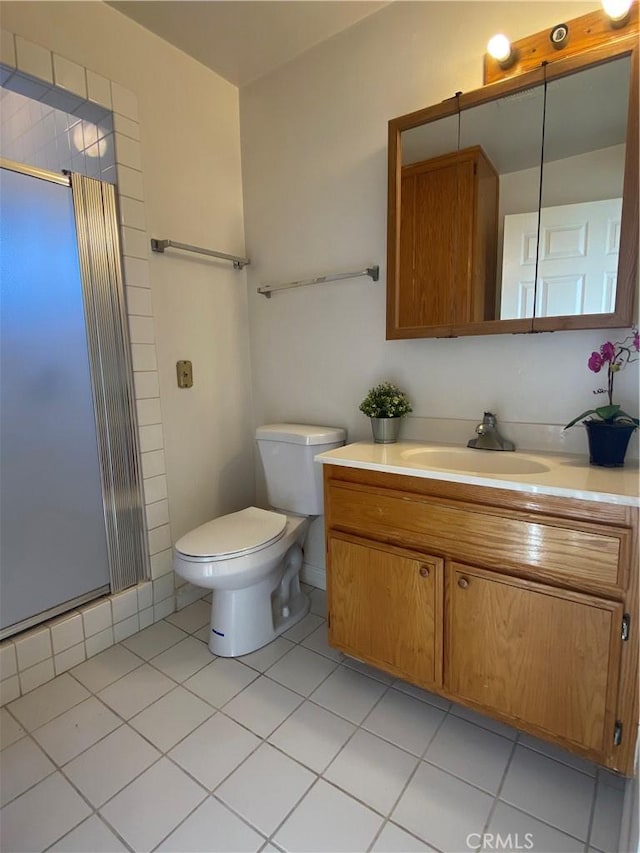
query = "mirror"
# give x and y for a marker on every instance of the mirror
(506, 208)
(582, 185)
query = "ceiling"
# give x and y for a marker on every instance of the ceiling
(245, 39)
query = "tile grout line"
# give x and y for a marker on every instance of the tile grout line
(341, 664)
(409, 780)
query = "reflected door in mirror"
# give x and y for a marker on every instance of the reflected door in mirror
(577, 261)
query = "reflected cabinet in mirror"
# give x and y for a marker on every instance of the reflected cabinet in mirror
(514, 208)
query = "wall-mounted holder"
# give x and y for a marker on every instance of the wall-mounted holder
(268, 289)
(160, 246)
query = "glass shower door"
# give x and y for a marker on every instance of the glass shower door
(53, 545)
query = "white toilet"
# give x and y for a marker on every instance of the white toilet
(251, 559)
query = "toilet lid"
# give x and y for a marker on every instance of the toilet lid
(237, 532)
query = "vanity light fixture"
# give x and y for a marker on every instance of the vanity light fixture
(613, 21)
(499, 47)
(617, 11)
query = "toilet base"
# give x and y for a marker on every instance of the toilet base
(244, 620)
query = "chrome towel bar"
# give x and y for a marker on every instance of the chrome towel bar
(268, 289)
(161, 245)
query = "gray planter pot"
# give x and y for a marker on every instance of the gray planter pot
(385, 430)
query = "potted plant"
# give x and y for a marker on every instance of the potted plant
(385, 404)
(610, 430)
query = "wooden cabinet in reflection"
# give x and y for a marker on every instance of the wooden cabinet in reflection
(448, 241)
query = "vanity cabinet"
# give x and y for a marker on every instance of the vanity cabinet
(369, 580)
(519, 605)
(546, 656)
(447, 245)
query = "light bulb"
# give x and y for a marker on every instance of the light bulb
(499, 47)
(617, 10)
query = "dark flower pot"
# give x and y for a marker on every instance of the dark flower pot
(608, 442)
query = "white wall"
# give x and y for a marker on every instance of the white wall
(190, 149)
(314, 153)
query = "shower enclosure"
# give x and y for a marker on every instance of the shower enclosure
(71, 520)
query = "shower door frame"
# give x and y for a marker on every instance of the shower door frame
(110, 367)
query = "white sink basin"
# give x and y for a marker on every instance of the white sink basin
(474, 461)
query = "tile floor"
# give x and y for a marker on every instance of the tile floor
(154, 744)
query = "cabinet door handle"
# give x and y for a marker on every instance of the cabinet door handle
(424, 571)
(463, 583)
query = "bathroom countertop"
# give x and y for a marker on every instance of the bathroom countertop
(562, 475)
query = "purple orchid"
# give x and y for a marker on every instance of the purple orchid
(616, 356)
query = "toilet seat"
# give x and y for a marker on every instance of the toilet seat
(232, 535)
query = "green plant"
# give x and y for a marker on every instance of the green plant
(385, 401)
(615, 356)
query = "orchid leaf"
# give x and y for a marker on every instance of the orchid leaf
(607, 413)
(580, 417)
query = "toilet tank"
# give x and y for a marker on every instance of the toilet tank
(294, 480)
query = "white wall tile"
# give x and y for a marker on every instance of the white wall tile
(163, 609)
(124, 629)
(145, 618)
(9, 689)
(153, 463)
(151, 438)
(132, 213)
(124, 101)
(145, 595)
(33, 647)
(136, 272)
(8, 661)
(128, 152)
(36, 675)
(149, 412)
(69, 658)
(139, 301)
(66, 632)
(142, 330)
(163, 588)
(134, 242)
(97, 618)
(159, 539)
(69, 75)
(144, 358)
(124, 605)
(155, 489)
(161, 563)
(130, 182)
(7, 49)
(126, 126)
(98, 89)
(157, 514)
(146, 383)
(34, 59)
(99, 642)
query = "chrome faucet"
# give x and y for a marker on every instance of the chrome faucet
(488, 436)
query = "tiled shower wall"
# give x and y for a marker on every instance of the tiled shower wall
(33, 657)
(38, 134)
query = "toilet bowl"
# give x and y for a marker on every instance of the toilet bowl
(251, 559)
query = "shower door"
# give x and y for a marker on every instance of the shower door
(53, 545)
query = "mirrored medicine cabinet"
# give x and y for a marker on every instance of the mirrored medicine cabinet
(514, 208)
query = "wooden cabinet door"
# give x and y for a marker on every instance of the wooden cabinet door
(545, 657)
(385, 606)
(446, 246)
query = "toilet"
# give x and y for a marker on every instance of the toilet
(251, 559)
